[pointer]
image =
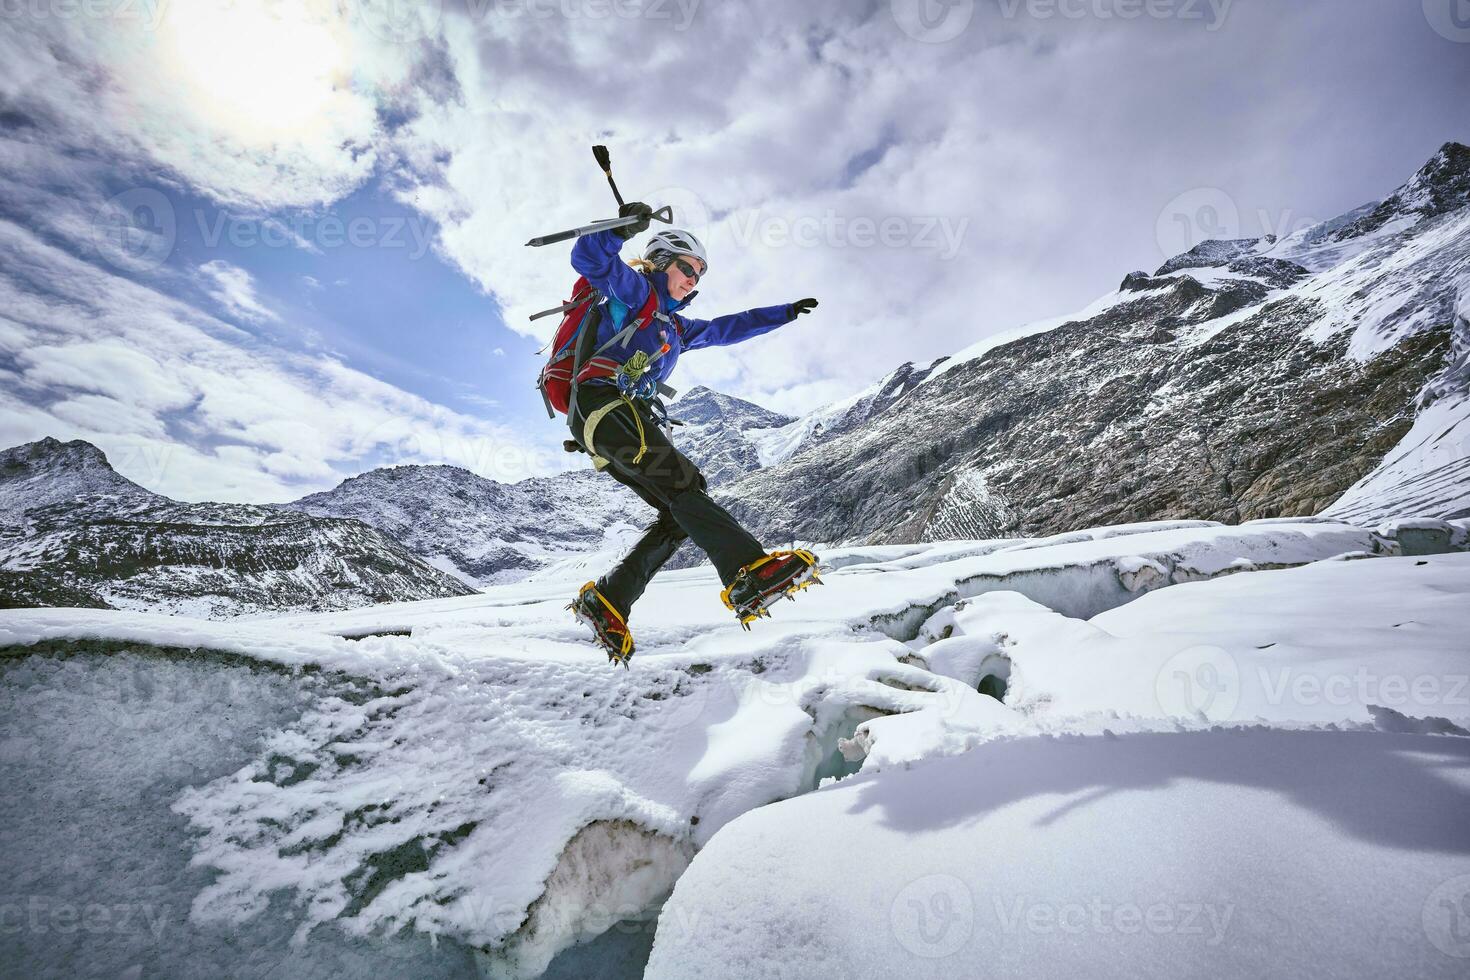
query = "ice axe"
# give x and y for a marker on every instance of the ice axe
(604, 160)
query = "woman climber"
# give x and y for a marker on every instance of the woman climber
(616, 417)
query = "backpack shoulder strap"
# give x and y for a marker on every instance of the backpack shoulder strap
(636, 321)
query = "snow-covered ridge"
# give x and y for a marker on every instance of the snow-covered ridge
(49, 471)
(1244, 379)
(76, 532)
(479, 529)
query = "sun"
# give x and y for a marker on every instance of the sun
(258, 71)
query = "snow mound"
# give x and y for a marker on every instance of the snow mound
(1319, 644)
(1082, 574)
(1217, 853)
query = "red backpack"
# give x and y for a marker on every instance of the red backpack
(557, 375)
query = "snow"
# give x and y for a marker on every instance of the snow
(96, 745)
(1214, 853)
(466, 778)
(1428, 472)
(1396, 286)
(1289, 660)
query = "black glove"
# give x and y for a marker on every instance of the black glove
(632, 208)
(802, 306)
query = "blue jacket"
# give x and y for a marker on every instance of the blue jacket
(625, 288)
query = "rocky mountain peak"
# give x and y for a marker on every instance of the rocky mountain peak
(1216, 253)
(1440, 186)
(48, 471)
(700, 406)
(50, 454)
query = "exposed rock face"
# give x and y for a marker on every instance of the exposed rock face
(49, 471)
(486, 531)
(1237, 383)
(722, 433)
(1215, 253)
(1243, 379)
(78, 533)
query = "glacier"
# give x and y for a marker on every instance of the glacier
(459, 786)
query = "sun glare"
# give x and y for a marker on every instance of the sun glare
(260, 71)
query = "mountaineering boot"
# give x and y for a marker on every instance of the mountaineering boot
(607, 623)
(767, 579)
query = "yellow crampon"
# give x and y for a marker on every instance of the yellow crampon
(809, 579)
(625, 648)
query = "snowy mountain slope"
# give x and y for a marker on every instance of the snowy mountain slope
(777, 444)
(723, 435)
(471, 769)
(1288, 660)
(49, 471)
(83, 534)
(479, 529)
(491, 533)
(1256, 388)
(1429, 470)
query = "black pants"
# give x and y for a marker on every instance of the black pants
(670, 483)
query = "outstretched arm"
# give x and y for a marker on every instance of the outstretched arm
(596, 257)
(732, 329)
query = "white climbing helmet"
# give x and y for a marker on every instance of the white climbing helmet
(674, 241)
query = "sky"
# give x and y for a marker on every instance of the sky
(250, 248)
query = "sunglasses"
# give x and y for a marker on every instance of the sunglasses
(687, 269)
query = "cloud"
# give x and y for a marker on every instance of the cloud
(256, 105)
(1023, 164)
(232, 287)
(194, 408)
(1019, 169)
